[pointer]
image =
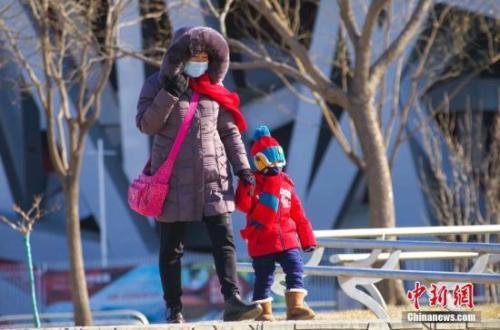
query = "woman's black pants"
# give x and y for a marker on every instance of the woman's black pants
(172, 248)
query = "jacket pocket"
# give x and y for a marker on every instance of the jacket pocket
(211, 169)
(247, 232)
(252, 229)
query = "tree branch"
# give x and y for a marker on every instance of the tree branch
(112, 22)
(27, 218)
(13, 45)
(298, 50)
(276, 22)
(371, 17)
(10, 223)
(293, 89)
(349, 21)
(121, 52)
(224, 14)
(336, 130)
(400, 42)
(419, 71)
(277, 67)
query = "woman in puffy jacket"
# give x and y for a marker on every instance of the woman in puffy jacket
(200, 186)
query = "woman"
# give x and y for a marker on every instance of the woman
(200, 187)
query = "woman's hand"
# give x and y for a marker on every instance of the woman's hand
(246, 176)
(175, 85)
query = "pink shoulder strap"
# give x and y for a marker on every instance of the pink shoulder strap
(165, 171)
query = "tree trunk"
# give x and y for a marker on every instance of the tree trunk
(381, 199)
(374, 153)
(393, 291)
(79, 293)
(29, 261)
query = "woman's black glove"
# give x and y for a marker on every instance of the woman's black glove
(175, 85)
(246, 176)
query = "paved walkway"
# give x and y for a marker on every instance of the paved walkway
(307, 325)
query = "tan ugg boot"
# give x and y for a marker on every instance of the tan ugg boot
(295, 308)
(267, 312)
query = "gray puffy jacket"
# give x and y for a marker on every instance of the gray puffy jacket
(201, 182)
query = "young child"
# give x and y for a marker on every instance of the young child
(276, 228)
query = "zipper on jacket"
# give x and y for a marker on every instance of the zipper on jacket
(204, 188)
(279, 215)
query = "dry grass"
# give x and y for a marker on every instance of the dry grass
(490, 311)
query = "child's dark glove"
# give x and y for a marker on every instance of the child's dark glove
(246, 176)
(175, 85)
(309, 248)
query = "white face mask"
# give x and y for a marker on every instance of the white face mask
(195, 69)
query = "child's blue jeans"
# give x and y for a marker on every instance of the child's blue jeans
(264, 267)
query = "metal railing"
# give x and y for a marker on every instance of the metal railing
(407, 231)
(410, 245)
(359, 267)
(398, 274)
(421, 255)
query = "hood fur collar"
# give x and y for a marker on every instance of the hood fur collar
(189, 41)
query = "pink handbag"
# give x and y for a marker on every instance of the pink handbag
(147, 193)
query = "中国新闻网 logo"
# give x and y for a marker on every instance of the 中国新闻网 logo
(439, 295)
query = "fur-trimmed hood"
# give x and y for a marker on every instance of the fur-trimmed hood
(187, 42)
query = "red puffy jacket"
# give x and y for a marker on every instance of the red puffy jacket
(292, 228)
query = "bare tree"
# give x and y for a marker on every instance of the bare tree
(66, 63)
(24, 225)
(273, 35)
(278, 24)
(278, 42)
(456, 43)
(460, 171)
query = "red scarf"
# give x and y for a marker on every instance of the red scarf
(226, 99)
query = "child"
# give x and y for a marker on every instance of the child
(276, 228)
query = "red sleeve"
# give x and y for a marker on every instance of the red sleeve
(304, 228)
(243, 198)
